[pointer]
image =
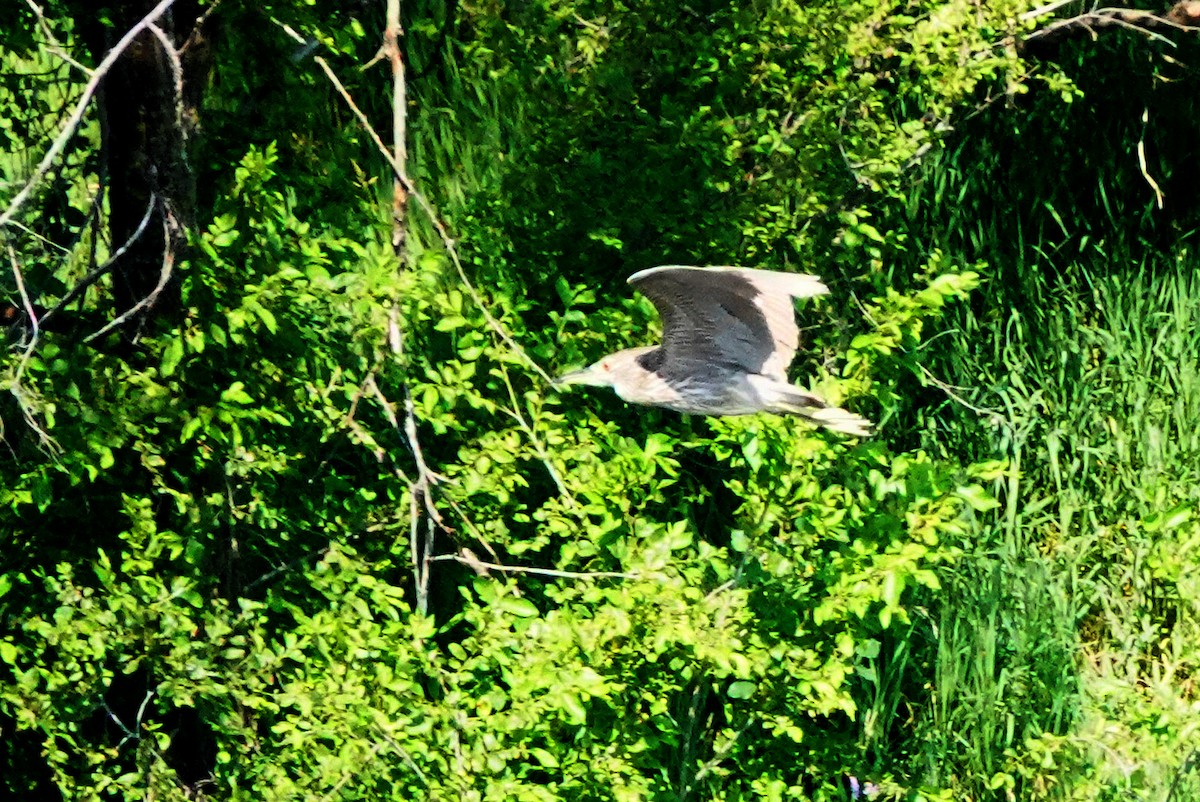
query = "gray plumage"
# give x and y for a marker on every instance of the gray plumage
(729, 334)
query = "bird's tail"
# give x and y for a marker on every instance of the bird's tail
(782, 397)
(836, 419)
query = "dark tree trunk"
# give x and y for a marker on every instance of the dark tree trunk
(144, 122)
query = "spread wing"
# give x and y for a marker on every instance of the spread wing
(733, 316)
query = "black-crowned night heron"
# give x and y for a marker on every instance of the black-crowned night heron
(729, 334)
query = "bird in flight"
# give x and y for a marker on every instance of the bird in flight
(729, 334)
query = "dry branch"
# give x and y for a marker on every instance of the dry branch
(421, 489)
(474, 563)
(164, 276)
(96, 274)
(17, 389)
(60, 142)
(426, 207)
(1147, 23)
(54, 45)
(391, 48)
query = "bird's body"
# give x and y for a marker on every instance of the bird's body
(729, 334)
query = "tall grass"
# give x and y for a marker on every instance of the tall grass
(1064, 647)
(466, 129)
(1068, 638)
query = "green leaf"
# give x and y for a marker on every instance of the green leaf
(171, 357)
(978, 498)
(518, 606)
(236, 394)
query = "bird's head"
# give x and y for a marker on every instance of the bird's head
(598, 374)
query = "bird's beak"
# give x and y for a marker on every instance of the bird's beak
(587, 375)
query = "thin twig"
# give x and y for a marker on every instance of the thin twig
(350, 773)
(1141, 153)
(949, 391)
(55, 46)
(279, 569)
(421, 553)
(97, 273)
(60, 142)
(26, 409)
(470, 525)
(404, 755)
(43, 239)
(520, 569)
(689, 738)
(1189, 763)
(133, 734)
(34, 325)
(515, 414)
(426, 207)
(1143, 22)
(164, 276)
(129, 734)
(176, 72)
(363, 435)
(198, 26)
(718, 757)
(425, 477)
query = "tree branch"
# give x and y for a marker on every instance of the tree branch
(391, 47)
(472, 562)
(55, 46)
(1144, 22)
(60, 142)
(96, 274)
(426, 207)
(17, 390)
(164, 276)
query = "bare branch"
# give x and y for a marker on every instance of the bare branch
(426, 207)
(197, 27)
(42, 239)
(543, 455)
(1042, 11)
(471, 527)
(27, 304)
(164, 276)
(1146, 23)
(1141, 153)
(97, 273)
(718, 757)
(471, 562)
(391, 47)
(17, 390)
(425, 477)
(404, 755)
(949, 390)
(176, 72)
(60, 142)
(414, 548)
(421, 491)
(55, 46)
(274, 572)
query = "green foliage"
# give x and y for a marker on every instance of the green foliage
(227, 571)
